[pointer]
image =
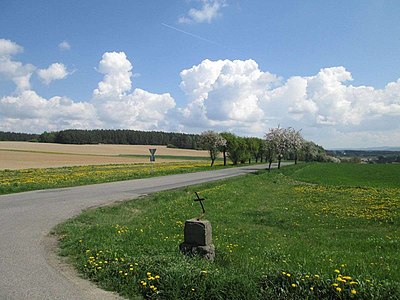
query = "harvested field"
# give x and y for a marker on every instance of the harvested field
(23, 155)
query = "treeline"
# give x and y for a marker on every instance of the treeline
(100, 136)
(283, 144)
(18, 136)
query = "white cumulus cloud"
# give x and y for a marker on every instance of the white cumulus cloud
(238, 96)
(12, 70)
(118, 107)
(55, 71)
(28, 112)
(117, 71)
(209, 10)
(64, 45)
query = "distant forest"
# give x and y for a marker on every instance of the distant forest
(100, 136)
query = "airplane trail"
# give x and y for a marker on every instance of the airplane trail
(190, 34)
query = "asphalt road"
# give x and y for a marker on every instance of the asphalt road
(29, 268)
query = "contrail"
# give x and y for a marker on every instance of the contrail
(191, 34)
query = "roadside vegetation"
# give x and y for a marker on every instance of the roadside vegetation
(14, 181)
(300, 232)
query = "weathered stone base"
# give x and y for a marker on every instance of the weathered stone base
(207, 252)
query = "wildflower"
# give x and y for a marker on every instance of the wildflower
(337, 271)
(353, 292)
(148, 274)
(312, 288)
(353, 282)
(144, 283)
(316, 276)
(335, 284)
(347, 277)
(130, 269)
(338, 289)
(294, 285)
(288, 275)
(157, 277)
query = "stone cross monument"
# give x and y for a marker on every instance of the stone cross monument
(198, 236)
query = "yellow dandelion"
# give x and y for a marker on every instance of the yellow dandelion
(353, 282)
(337, 271)
(353, 292)
(288, 275)
(148, 274)
(335, 284)
(157, 277)
(347, 277)
(144, 283)
(338, 289)
(294, 285)
(312, 288)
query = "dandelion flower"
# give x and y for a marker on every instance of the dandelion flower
(337, 271)
(294, 285)
(353, 292)
(339, 289)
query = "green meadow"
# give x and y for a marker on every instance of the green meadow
(15, 181)
(307, 231)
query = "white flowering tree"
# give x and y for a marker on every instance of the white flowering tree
(213, 142)
(278, 143)
(295, 141)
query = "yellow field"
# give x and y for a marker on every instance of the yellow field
(23, 155)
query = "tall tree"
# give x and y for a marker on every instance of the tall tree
(278, 140)
(295, 140)
(212, 141)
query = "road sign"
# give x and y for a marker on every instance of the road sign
(152, 154)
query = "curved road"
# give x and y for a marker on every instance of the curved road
(29, 269)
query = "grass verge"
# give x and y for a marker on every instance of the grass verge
(14, 181)
(275, 238)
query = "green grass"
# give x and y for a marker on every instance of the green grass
(14, 181)
(266, 226)
(369, 175)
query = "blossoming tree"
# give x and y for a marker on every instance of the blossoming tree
(213, 142)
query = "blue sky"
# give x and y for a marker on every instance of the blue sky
(329, 68)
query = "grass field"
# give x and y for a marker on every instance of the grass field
(297, 233)
(14, 181)
(23, 155)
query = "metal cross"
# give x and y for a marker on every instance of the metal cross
(201, 203)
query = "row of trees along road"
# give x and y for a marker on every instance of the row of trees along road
(279, 143)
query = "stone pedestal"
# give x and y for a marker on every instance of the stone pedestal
(198, 239)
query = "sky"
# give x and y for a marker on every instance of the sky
(328, 68)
